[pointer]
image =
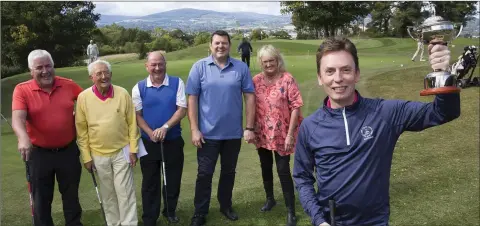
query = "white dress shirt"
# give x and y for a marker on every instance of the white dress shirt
(181, 98)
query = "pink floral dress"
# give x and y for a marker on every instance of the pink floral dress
(274, 105)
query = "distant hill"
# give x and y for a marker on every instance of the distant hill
(192, 20)
(198, 20)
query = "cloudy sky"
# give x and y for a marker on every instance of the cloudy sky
(146, 8)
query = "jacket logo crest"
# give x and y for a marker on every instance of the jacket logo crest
(367, 132)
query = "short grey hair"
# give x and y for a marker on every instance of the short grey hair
(38, 53)
(269, 50)
(161, 52)
(90, 66)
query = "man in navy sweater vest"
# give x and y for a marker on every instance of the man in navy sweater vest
(160, 103)
(349, 141)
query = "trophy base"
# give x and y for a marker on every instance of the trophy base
(440, 90)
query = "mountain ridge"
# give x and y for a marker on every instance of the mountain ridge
(198, 20)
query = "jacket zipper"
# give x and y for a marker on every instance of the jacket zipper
(346, 127)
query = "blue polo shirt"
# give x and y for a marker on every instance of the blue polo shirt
(219, 91)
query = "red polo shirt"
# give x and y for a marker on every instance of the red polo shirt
(50, 119)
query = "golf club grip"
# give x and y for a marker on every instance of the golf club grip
(331, 204)
(93, 177)
(27, 171)
(161, 151)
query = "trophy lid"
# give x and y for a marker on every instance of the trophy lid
(434, 20)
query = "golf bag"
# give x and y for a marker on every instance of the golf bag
(465, 65)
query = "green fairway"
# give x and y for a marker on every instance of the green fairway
(435, 173)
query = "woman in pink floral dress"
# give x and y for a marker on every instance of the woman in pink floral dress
(277, 119)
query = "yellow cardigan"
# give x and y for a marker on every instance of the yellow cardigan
(105, 127)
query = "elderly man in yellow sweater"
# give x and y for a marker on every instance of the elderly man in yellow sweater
(107, 136)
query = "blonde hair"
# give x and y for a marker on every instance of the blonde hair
(269, 50)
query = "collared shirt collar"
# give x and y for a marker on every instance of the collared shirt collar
(36, 87)
(99, 95)
(210, 60)
(329, 104)
(164, 83)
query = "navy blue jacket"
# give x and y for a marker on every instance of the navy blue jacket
(351, 151)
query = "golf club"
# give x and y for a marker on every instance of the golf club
(27, 172)
(98, 196)
(331, 204)
(6, 120)
(164, 178)
(27, 169)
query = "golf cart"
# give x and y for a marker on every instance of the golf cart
(466, 64)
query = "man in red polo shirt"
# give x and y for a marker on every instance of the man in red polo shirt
(43, 120)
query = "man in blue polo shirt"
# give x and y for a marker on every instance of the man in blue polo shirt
(215, 86)
(349, 141)
(160, 104)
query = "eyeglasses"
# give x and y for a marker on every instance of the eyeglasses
(103, 73)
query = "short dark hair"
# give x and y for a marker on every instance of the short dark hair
(337, 44)
(220, 33)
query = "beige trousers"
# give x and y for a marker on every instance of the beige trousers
(419, 50)
(115, 177)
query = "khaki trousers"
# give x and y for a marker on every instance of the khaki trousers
(117, 189)
(419, 50)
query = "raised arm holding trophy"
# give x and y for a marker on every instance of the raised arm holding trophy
(436, 30)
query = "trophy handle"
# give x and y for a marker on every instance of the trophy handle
(408, 30)
(460, 31)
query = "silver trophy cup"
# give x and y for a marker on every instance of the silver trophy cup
(435, 30)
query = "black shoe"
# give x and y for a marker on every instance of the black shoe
(291, 219)
(198, 220)
(269, 204)
(172, 218)
(230, 214)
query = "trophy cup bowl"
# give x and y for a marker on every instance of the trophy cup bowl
(436, 31)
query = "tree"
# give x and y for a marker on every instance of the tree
(324, 17)
(381, 14)
(457, 12)
(406, 14)
(62, 28)
(258, 34)
(281, 35)
(201, 38)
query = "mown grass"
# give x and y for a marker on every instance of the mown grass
(434, 178)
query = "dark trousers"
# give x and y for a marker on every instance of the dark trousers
(207, 159)
(283, 170)
(45, 165)
(151, 166)
(246, 59)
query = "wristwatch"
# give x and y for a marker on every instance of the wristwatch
(166, 126)
(248, 128)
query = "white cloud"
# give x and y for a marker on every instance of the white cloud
(146, 8)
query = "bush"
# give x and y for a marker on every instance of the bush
(142, 51)
(107, 50)
(8, 71)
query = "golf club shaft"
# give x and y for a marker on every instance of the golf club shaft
(27, 170)
(163, 165)
(164, 177)
(331, 204)
(6, 121)
(99, 199)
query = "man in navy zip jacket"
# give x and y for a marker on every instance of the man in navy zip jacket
(349, 141)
